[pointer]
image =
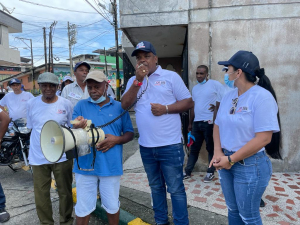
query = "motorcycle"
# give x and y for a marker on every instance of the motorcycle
(15, 144)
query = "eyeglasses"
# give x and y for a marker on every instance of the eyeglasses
(234, 104)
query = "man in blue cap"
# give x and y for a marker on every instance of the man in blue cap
(16, 101)
(77, 90)
(158, 120)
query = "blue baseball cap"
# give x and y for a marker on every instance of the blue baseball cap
(145, 46)
(82, 63)
(14, 81)
(243, 60)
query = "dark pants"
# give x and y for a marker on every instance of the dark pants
(42, 184)
(201, 131)
(2, 198)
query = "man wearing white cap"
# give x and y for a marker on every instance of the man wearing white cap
(16, 101)
(108, 163)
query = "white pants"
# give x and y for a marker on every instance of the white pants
(87, 186)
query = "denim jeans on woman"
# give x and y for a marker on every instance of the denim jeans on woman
(164, 166)
(243, 187)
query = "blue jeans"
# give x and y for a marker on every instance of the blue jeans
(243, 187)
(164, 166)
(2, 198)
(201, 131)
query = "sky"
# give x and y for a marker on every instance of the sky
(93, 31)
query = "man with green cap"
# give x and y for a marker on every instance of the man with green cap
(49, 106)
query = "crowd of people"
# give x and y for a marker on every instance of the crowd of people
(238, 120)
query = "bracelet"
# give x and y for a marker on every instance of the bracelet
(167, 109)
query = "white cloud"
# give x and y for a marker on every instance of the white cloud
(36, 17)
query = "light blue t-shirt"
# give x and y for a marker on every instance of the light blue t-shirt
(256, 111)
(110, 162)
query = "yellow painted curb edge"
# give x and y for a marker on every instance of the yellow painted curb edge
(137, 221)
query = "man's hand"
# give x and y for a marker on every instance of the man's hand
(212, 107)
(190, 127)
(158, 109)
(81, 124)
(109, 142)
(140, 72)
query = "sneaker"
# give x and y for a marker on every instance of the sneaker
(209, 177)
(185, 177)
(4, 215)
(262, 203)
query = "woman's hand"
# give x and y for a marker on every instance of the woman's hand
(216, 158)
(222, 163)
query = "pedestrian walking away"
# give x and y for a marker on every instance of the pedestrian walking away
(100, 109)
(245, 123)
(204, 94)
(161, 96)
(49, 106)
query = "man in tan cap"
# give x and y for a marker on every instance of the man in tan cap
(107, 168)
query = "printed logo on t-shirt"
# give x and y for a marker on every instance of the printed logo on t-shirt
(242, 109)
(24, 100)
(73, 95)
(159, 82)
(61, 111)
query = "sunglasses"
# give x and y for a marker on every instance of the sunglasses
(234, 104)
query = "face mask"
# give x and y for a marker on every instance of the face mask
(203, 82)
(229, 83)
(99, 100)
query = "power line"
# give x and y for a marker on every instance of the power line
(99, 12)
(48, 6)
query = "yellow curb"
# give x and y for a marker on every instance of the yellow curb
(74, 195)
(26, 168)
(137, 221)
(53, 184)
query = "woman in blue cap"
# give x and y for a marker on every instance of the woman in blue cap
(243, 133)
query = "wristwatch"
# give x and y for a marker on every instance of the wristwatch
(137, 83)
(230, 162)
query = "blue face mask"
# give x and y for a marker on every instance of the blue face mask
(99, 100)
(229, 83)
(203, 82)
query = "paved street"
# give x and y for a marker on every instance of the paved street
(205, 200)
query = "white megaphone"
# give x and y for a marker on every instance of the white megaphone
(56, 140)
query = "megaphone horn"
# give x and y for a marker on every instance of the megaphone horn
(56, 140)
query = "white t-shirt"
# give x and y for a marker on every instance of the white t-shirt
(256, 111)
(38, 113)
(204, 95)
(225, 90)
(16, 104)
(74, 93)
(164, 87)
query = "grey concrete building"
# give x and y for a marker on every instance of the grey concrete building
(187, 33)
(8, 24)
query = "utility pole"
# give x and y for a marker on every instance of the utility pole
(117, 49)
(45, 48)
(32, 73)
(50, 68)
(72, 41)
(105, 62)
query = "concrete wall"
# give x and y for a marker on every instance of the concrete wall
(219, 28)
(271, 32)
(6, 54)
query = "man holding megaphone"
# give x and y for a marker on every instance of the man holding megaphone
(100, 109)
(49, 106)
